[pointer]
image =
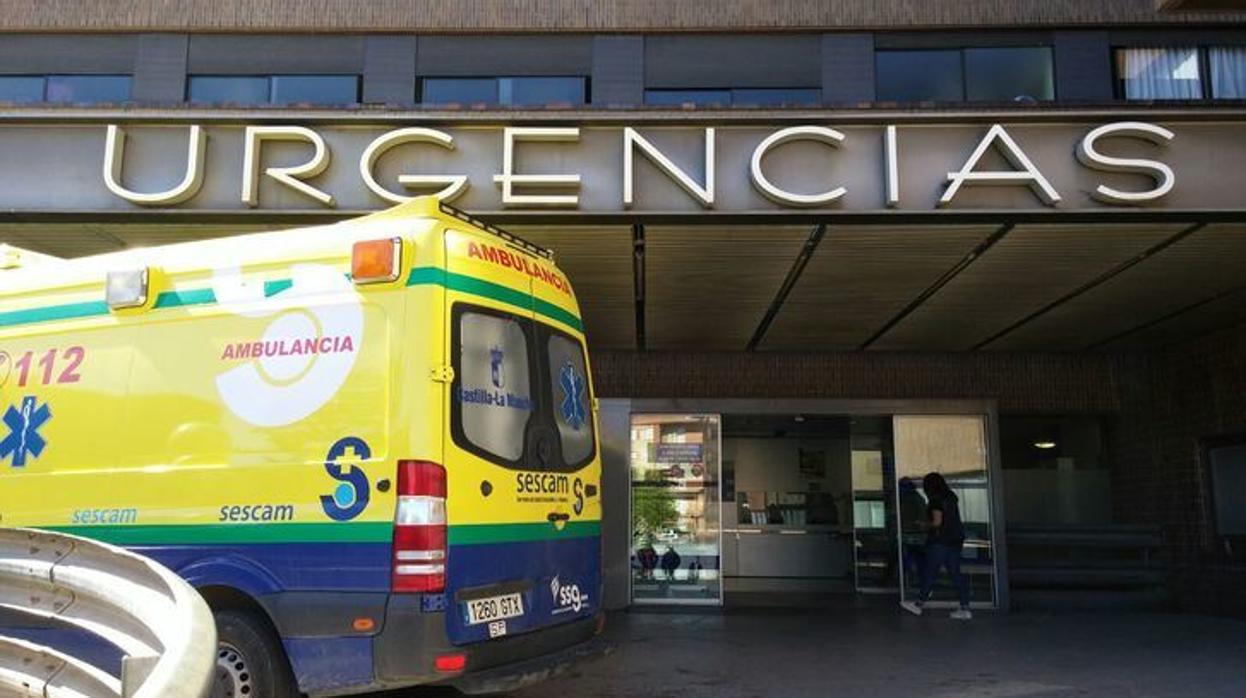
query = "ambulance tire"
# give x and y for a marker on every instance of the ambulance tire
(249, 659)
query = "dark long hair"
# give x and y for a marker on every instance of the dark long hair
(935, 486)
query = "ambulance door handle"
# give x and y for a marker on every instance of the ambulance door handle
(555, 517)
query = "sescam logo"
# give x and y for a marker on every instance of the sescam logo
(349, 498)
(304, 355)
(567, 597)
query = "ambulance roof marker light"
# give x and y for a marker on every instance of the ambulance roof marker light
(127, 288)
(513, 239)
(376, 261)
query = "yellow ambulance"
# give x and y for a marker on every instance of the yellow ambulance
(371, 446)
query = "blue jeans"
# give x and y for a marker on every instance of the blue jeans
(939, 555)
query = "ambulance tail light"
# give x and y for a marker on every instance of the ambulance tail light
(419, 561)
(376, 261)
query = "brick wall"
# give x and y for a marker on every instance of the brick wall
(1169, 401)
(1022, 383)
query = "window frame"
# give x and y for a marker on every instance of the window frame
(46, 79)
(545, 332)
(422, 81)
(960, 50)
(1206, 88)
(457, 431)
(1219, 543)
(269, 79)
(1204, 72)
(542, 388)
(730, 93)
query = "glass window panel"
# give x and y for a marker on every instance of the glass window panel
(700, 98)
(84, 89)
(776, 97)
(1228, 477)
(571, 400)
(227, 89)
(1009, 74)
(954, 447)
(539, 91)
(1228, 72)
(676, 528)
(315, 89)
(494, 390)
(1159, 73)
(919, 76)
(460, 91)
(21, 88)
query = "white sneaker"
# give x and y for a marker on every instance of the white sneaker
(912, 607)
(962, 614)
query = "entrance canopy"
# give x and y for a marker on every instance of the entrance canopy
(848, 287)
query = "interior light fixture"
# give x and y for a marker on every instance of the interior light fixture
(1045, 445)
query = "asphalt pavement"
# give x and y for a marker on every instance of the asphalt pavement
(873, 649)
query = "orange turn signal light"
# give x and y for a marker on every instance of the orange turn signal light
(376, 261)
(363, 625)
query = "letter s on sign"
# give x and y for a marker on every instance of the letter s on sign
(1163, 175)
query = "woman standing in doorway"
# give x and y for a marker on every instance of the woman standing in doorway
(945, 537)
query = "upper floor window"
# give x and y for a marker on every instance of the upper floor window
(506, 91)
(988, 74)
(1181, 72)
(1228, 72)
(325, 90)
(1159, 73)
(67, 89)
(738, 97)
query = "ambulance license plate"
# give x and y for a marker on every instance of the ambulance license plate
(494, 608)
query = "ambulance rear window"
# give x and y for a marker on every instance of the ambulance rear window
(493, 400)
(569, 395)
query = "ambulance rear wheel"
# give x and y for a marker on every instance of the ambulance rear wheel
(249, 660)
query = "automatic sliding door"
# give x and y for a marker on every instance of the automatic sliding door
(954, 446)
(676, 528)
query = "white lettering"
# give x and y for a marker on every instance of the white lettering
(821, 134)
(508, 179)
(114, 160)
(452, 186)
(289, 176)
(891, 148)
(633, 139)
(1163, 175)
(1029, 174)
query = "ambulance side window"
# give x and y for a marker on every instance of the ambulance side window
(491, 401)
(569, 395)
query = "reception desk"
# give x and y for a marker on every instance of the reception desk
(777, 557)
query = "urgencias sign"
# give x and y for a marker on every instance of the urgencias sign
(911, 167)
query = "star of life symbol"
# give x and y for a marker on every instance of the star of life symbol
(572, 385)
(23, 438)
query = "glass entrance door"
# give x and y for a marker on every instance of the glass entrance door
(676, 555)
(955, 447)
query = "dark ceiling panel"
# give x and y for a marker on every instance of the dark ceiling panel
(860, 277)
(1027, 269)
(1211, 261)
(1222, 310)
(709, 286)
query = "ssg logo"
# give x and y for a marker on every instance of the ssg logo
(23, 438)
(350, 497)
(567, 597)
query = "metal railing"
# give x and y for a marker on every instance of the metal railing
(159, 623)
